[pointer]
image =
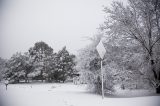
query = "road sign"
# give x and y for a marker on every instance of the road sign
(101, 50)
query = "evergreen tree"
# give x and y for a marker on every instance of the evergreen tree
(15, 68)
(64, 65)
(28, 65)
(41, 53)
(51, 67)
(2, 68)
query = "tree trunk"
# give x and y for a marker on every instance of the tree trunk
(158, 90)
(156, 76)
(41, 75)
(6, 86)
(26, 78)
(159, 76)
(153, 69)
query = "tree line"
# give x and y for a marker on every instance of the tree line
(39, 63)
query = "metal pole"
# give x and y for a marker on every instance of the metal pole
(102, 80)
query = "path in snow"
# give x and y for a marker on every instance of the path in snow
(65, 95)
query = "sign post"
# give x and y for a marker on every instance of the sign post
(102, 80)
(101, 50)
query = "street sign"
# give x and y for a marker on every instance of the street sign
(101, 50)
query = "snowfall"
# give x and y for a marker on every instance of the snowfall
(66, 94)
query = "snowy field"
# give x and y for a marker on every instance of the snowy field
(65, 95)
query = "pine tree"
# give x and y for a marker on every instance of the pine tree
(41, 53)
(15, 68)
(64, 65)
(2, 68)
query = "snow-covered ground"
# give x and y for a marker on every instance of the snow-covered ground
(65, 95)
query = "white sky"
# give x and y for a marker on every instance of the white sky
(56, 22)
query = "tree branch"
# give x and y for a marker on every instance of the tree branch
(156, 4)
(155, 42)
(140, 41)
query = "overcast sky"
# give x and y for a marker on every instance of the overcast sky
(56, 22)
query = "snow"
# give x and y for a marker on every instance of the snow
(54, 94)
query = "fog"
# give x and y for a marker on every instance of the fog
(57, 22)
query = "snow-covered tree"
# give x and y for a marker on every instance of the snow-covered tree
(88, 65)
(28, 65)
(64, 65)
(2, 68)
(15, 68)
(139, 23)
(41, 53)
(51, 64)
(122, 65)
